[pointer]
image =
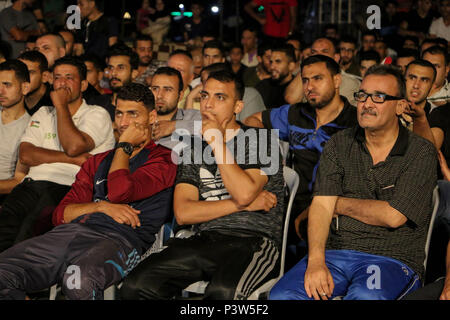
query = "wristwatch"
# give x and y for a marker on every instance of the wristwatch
(126, 146)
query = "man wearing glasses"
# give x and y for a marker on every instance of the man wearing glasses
(372, 203)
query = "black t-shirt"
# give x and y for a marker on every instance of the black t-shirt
(45, 101)
(417, 23)
(272, 93)
(94, 35)
(440, 118)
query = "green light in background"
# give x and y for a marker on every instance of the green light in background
(260, 8)
(177, 14)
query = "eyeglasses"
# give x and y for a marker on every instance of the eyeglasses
(362, 96)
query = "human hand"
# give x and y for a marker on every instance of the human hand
(414, 111)
(162, 129)
(61, 97)
(318, 281)
(136, 134)
(80, 159)
(264, 201)
(121, 213)
(212, 131)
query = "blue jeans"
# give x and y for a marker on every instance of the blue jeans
(356, 276)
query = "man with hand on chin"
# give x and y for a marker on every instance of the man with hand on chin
(109, 217)
(234, 203)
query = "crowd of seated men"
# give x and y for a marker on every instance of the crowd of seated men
(103, 144)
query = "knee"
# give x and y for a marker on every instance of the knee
(131, 288)
(222, 292)
(81, 286)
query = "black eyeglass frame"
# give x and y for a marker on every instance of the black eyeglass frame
(384, 95)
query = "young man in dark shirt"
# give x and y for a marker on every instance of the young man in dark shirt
(109, 217)
(233, 198)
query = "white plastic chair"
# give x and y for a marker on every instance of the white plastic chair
(292, 181)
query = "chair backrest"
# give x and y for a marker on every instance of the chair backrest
(292, 181)
(430, 227)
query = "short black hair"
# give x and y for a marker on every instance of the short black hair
(214, 44)
(59, 38)
(226, 77)
(142, 37)
(98, 63)
(236, 45)
(387, 69)
(216, 67)
(370, 55)
(423, 63)
(73, 61)
(437, 50)
(406, 52)
(348, 39)
(262, 48)
(35, 56)
(168, 71)
(288, 49)
(138, 93)
(20, 69)
(124, 50)
(331, 64)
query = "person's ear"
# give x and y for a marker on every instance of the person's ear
(401, 106)
(238, 106)
(25, 88)
(291, 66)
(134, 74)
(152, 117)
(337, 57)
(100, 75)
(62, 52)
(46, 76)
(84, 85)
(337, 79)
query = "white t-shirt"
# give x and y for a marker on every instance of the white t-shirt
(439, 29)
(42, 132)
(10, 135)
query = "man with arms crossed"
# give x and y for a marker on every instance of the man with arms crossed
(378, 179)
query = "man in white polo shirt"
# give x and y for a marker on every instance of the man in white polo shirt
(58, 140)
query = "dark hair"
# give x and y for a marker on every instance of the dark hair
(35, 56)
(96, 61)
(385, 70)
(412, 38)
(73, 61)
(138, 93)
(251, 29)
(423, 63)
(369, 33)
(262, 48)
(142, 37)
(226, 76)
(216, 67)
(334, 43)
(124, 50)
(331, 64)
(403, 53)
(437, 50)
(348, 39)
(370, 55)
(20, 69)
(442, 42)
(168, 71)
(288, 49)
(214, 44)
(182, 52)
(236, 45)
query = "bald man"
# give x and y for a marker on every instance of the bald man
(52, 46)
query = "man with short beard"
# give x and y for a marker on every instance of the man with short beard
(143, 46)
(122, 68)
(39, 94)
(282, 64)
(308, 126)
(253, 75)
(167, 87)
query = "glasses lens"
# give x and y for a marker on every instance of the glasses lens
(379, 98)
(360, 96)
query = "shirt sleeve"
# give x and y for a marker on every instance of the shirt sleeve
(34, 133)
(277, 118)
(439, 118)
(330, 173)
(96, 124)
(8, 21)
(157, 174)
(80, 192)
(413, 189)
